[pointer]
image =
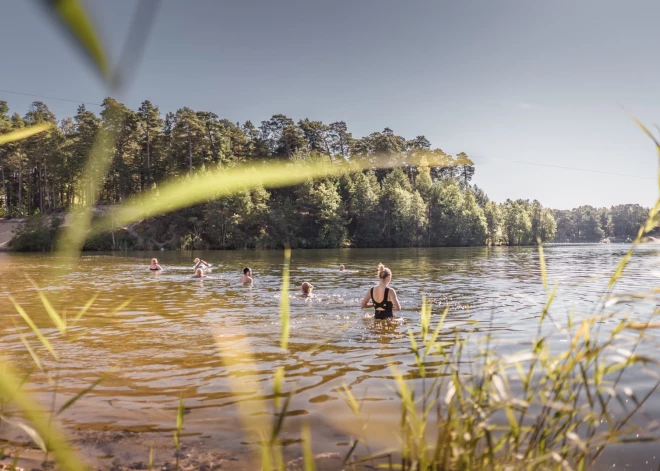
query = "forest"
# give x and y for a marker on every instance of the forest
(406, 204)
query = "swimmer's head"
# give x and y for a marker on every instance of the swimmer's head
(199, 273)
(342, 268)
(196, 260)
(384, 273)
(247, 271)
(154, 261)
(307, 288)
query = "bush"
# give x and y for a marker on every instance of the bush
(123, 240)
(38, 234)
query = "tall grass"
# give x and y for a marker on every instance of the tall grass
(42, 430)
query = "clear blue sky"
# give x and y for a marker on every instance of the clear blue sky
(503, 80)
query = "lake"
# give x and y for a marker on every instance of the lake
(163, 344)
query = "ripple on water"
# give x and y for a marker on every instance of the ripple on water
(163, 344)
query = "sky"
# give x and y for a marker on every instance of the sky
(537, 93)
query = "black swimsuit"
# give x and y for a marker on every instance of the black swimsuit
(385, 304)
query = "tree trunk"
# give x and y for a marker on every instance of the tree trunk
(47, 195)
(214, 150)
(29, 192)
(190, 159)
(4, 187)
(148, 159)
(40, 191)
(20, 187)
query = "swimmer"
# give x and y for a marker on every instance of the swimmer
(342, 268)
(389, 301)
(199, 273)
(306, 289)
(154, 265)
(247, 275)
(200, 264)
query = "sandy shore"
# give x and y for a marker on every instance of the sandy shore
(129, 451)
(7, 229)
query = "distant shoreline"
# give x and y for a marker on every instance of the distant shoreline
(8, 228)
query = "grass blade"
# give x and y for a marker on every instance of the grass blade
(32, 433)
(24, 133)
(77, 23)
(179, 420)
(544, 273)
(179, 428)
(180, 192)
(52, 313)
(278, 382)
(436, 332)
(308, 455)
(80, 394)
(32, 325)
(67, 459)
(284, 302)
(84, 309)
(34, 356)
(280, 420)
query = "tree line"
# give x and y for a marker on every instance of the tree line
(409, 203)
(588, 224)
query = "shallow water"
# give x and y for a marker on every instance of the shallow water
(166, 342)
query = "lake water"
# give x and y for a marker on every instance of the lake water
(163, 345)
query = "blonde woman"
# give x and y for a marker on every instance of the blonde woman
(388, 299)
(154, 265)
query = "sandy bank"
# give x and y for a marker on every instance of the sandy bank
(129, 451)
(7, 229)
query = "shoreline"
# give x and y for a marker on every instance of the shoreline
(122, 450)
(7, 230)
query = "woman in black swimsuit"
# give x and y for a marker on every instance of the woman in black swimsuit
(154, 265)
(388, 300)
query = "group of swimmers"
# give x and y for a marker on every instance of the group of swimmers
(384, 309)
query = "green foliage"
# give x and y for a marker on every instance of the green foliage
(426, 200)
(518, 224)
(588, 224)
(38, 234)
(116, 240)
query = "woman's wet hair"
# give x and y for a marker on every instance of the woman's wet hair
(196, 260)
(383, 272)
(154, 260)
(307, 288)
(199, 272)
(246, 270)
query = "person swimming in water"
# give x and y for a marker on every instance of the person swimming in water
(306, 289)
(342, 268)
(154, 265)
(199, 273)
(389, 301)
(247, 275)
(200, 264)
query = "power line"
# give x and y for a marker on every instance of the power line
(51, 98)
(566, 168)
